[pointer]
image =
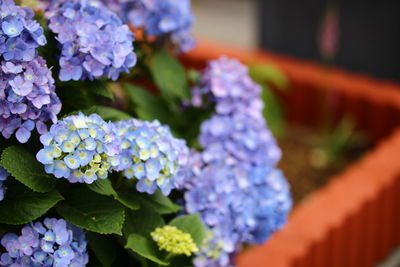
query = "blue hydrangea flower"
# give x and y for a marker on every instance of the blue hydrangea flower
(27, 98)
(94, 42)
(151, 155)
(240, 204)
(238, 124)
(171, 19)
(233, 183)
(20, 36)
(3, 176)
(212, 252)
(80, 148)
(51, 243)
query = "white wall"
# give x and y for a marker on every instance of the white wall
(229, 21)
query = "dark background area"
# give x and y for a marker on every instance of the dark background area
(369, 32)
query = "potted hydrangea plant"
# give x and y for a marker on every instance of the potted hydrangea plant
(113, 154)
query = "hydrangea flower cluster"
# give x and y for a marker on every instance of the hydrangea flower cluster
(171, 18)
(20, 36)
(3, 176)
(173, 240)
(152, 155)
(27, 98)
(237, 126)
(212, 253)
(234, 183)
(80, 148)
(51, 243)
(94, 42)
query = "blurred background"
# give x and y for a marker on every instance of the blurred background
(366, 33)
(330, 78)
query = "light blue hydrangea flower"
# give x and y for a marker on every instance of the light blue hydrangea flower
(151, 155)
(80, 148)
(94, 42)
(3, 176)
(169, 19)
(20, 36)
(27, 98)
(51, 243)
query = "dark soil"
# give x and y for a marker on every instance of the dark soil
(301, 164)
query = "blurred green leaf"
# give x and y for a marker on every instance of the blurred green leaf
(99, 87)
(268, 73)
(273, 112)
(111, 114)
(169, 75)
(146, 105)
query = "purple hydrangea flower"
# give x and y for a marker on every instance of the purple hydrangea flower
(51, 243)
(3, 176)
(233, 183)
(27, 98)
(80, 148)
(238, 124)
(152, 155)
(239, 203)
(94, 42)
(20, 36)
(161, 18)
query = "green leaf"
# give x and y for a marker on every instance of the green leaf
(92, 212)
(190, 224)
(125, 197)
(22, 205)
(102, 187)
(138, 226)
(24, 167)
(268, 73)
(111, 114)
(103, 247)
(146, 105)
(100, 88)
(273, 112)
(145, 247)
(169, 75)
(160, 203)
(128, 199)
(142, 221)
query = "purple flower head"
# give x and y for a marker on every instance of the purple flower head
(152, 155)
(161, 18)
(20, 35)
(39, 245)
(80, 148)
(27, 98)
(233, 183)
(239, 204)
(3, 176)
(94, 42)
(238, 125)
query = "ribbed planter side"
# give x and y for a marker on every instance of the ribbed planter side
(373, 104)
(354, 221)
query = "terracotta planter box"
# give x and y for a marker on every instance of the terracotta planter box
(354, 220)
